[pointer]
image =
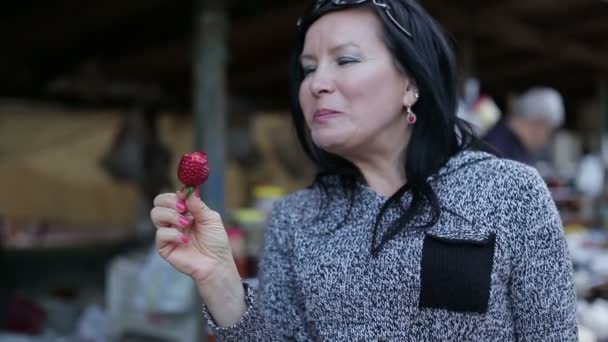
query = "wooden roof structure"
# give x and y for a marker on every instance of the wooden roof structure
(120, 47)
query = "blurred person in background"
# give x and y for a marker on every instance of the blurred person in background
(535, 115)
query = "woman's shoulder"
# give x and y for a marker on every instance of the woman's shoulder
(487, 170)
(485, 183)
(295, 200)
(297, 205)
(505, 192)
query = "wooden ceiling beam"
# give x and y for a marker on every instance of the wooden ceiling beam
(597, 24)
(266, 28)
(249, 43)
(511, 71)
(507, 72)
(501, 6)
(580, 82)
(53, 44)
(532, 7)
(46, 30)
(519, 35)
(269, 74)
(514, 34)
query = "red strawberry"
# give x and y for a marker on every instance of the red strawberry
(193, 170)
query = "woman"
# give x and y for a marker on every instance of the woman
(408, 233)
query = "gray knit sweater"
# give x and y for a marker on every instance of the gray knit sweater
(495, 267)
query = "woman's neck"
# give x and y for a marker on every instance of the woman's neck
(383, 175)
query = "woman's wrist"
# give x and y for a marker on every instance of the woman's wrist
(223, 294)
(222, 274)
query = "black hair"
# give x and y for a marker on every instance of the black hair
(437, 135)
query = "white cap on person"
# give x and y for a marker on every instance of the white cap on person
(541, 103)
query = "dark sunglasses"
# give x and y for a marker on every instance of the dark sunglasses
(380, 3)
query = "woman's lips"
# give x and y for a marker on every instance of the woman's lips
(324, 114)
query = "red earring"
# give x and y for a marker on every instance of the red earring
(411, 117)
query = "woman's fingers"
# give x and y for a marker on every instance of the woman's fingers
(166, 217)
(181, 195)
(178, 211)
(165, 236)
(170, 200)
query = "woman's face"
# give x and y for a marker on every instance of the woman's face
(353, 96)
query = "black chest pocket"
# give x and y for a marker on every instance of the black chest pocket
(456, 273)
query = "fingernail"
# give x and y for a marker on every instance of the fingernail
(184, 222)
(185, 239)
(197, 192)
(180, 206)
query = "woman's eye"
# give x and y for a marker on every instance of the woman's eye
(346, 60)
(308, 69)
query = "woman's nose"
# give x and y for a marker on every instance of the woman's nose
(322, 82)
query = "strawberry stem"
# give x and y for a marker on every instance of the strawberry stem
(188, 190)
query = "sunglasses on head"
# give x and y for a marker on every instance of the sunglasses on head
(379, 3)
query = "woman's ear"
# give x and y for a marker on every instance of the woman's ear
(410, 92)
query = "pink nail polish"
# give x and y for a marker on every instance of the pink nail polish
(197, 192)
(184, 222)
(185, 239)
(180, 206)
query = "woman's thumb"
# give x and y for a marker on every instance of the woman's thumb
(201, 212)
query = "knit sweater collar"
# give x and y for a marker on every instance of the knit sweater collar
(365, 202)
(457, 162)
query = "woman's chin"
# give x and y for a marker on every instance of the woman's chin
(331, 146)
(332, 140)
